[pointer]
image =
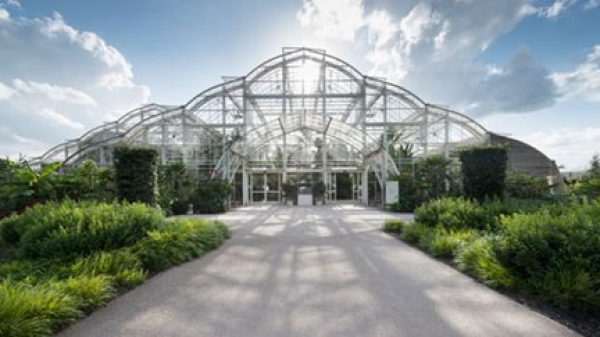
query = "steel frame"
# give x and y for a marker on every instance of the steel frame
(280, 117)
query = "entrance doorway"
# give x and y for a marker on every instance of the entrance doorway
(277, 188)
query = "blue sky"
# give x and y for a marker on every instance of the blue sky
(526, 68)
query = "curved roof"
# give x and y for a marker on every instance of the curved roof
(278, 87)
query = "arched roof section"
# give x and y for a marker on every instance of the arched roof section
(299, 82)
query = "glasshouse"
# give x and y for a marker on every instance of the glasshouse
(303, 119)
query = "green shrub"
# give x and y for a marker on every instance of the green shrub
(478, 259)
(455, 213)
(34, 311)
(77, 229)
(394, 225)
(447, 243)
(121, 266)
(414, 232)
(525, 186)
(181, 241)
(136, 174)
(32, 271)
(542, 247)
(88, 291)
(211, 195)
(484, 172)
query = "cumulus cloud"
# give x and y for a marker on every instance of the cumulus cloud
(557, 8)
(61, 81)
(570, 147)
(432, 47)
(584, 80)
(591, 4)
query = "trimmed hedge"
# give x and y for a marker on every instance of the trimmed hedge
(136, 174)
(484, 172)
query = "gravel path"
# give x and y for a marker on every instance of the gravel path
(321, 271)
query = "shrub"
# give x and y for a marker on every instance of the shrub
(525, 186)
(484, 172)
(181, 241)
(211, 196)
(456, 213)
(478, 259)
(136, 174)
(88, 291)
(414, 232)
(73, 229)
(394, 225)
(32, 271)
(121, 266)
(542, 247)
(447, 243)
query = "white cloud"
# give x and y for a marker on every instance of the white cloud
(591, 4)
(583, 81)
(6, 92)
(53, 92)
(14, 145)
(557, 8)
(333, 18)
(4, 15)
(432, 48)
(570, 147)
(60, 82)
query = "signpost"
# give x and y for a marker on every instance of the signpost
(392, 191)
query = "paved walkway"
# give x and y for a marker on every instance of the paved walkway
(321, 271)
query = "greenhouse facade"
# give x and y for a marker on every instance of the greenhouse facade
(300, 118)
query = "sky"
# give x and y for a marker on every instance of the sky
(529, 69)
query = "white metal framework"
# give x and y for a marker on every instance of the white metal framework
(303, 112)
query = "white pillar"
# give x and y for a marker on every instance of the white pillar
(365, 186)
(245, 187)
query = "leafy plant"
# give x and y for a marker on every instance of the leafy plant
(455, 213)
(180, 242)
(211, 196)
(74, 229)
(478, 259)
(447, 243)
(525, 186)
(394, 225)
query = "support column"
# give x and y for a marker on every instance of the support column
(365, 186)
(284, 151)
(384, 153)
(245, 187)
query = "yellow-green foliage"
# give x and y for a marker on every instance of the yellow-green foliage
(34, 311)
(447, 243)
(180, 242)
(81, 254)
(478, 259)
(122, 266)
(394, 225)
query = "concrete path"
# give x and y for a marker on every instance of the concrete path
(320, 271)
